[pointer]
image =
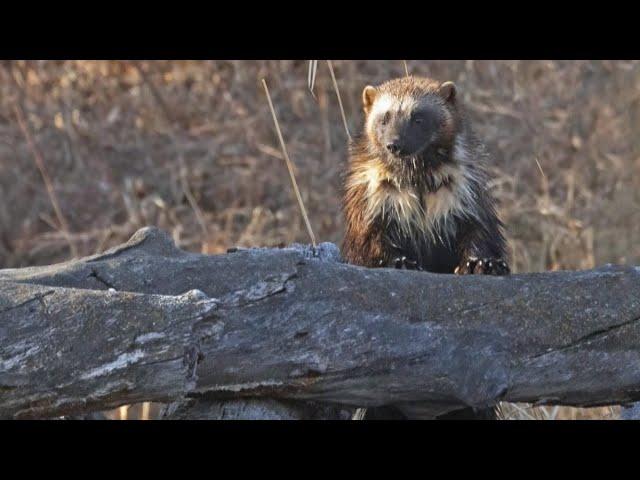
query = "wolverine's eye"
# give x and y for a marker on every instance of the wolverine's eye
(385, 118)
(417, 119)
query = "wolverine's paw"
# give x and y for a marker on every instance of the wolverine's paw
(482, 266)
(405, 263)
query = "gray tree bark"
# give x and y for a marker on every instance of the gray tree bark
(261, 332)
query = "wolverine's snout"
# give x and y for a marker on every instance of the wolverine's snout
(394, 147)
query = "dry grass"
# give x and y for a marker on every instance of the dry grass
(190, 146)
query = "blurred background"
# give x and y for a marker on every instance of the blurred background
(90, 151)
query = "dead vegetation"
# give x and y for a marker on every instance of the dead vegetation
(191, 147)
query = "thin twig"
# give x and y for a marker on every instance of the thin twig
(406, 67)
(540, 168)
(154, 92)
(37, 157)
(359, 414)
(145, 410)
(193, 203)
(289, 166)
(335, 86)
(183, 171)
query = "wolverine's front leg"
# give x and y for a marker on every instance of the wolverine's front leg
(483, 250)
(399, 258)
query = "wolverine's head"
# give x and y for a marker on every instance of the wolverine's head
(406, 117)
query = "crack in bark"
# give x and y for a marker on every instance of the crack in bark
(257, 292)
(590, 336)
(37, 298)
(94, 274)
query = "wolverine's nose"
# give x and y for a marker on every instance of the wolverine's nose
(393, 147)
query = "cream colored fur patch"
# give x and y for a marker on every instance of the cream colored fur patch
(432, 215)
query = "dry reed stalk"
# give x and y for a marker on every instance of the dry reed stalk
(37, 157)
(289, 166)
(146, 407)
(540, 168)
(194, 204)
(360, 413)
(311, 79)
(335, 86)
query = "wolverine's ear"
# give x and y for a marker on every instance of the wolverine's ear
(368, 96)
(448, 91)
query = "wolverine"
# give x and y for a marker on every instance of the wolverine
(416, 188)
(416, 192)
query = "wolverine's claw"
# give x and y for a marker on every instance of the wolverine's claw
(483, 266)
(404, 263)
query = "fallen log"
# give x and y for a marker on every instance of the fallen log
(146, 321)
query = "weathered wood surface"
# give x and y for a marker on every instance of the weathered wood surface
(147, 321)
(253, 409)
